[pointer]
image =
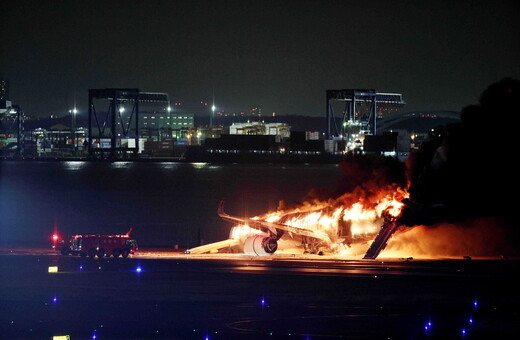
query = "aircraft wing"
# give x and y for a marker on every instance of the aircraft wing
(272, 227)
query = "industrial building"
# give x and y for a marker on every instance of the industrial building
(260, 128)
(135, 124)
(158, 125)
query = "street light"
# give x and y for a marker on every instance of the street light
(213, 108)
(73, 123)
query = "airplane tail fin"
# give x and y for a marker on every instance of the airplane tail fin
(220, 210)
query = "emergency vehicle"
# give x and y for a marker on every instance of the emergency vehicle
(99, 245)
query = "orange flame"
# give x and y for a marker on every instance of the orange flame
(350, 218)
(483, 237)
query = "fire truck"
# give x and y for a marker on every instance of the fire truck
(99, 245)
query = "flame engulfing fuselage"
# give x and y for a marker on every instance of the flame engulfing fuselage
(333, 225)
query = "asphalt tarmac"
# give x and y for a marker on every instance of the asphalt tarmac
(165, 295)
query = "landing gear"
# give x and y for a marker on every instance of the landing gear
(310, 246)
(270, 245)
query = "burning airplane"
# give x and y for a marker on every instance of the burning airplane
(449, 192)
(331, 226)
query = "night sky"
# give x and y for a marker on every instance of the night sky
(281, 55)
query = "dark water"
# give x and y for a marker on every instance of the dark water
(165, 203)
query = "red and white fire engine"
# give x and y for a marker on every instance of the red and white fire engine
(97, 245)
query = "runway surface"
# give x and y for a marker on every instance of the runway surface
(158, 294)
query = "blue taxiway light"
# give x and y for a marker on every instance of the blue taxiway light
(262, 303)
(428, 326)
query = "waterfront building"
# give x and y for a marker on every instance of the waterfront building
(260, 128)
(158, 125)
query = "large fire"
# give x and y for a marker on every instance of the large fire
(368, 198)
(351, 219)
(353, 224)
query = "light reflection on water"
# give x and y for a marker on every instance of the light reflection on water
(74, 165)
(120, 165)
(199, 165)
(169, 165)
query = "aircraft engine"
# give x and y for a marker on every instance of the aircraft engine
(260, 245)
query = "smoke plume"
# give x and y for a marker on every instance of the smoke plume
(484, 237)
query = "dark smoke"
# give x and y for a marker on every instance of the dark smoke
(462, 182)
(468, 170)
(366, 180)
(369, 173)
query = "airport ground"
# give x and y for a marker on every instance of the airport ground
(157, 294)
